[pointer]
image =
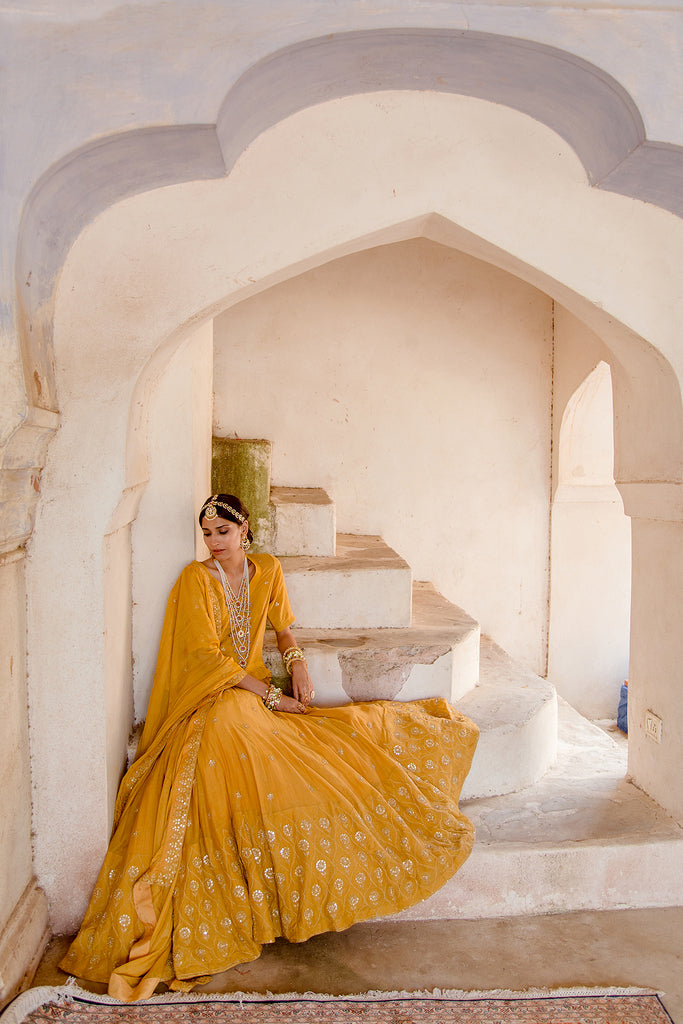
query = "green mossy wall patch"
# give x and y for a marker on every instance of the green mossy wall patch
(241, 466)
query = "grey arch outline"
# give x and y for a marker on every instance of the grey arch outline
(576, 99)
(579, 101)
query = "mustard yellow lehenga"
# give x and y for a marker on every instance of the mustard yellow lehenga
(236, 824)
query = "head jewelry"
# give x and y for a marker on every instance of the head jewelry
(212, 505)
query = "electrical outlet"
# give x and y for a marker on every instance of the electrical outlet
(653, 726)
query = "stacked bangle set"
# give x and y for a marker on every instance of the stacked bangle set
(291, 655)
(272, 697)
(273, 693)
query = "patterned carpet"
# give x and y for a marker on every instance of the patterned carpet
(60, 1006)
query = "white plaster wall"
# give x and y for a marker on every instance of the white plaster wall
(71, 739)
(588, 657)
(411, 382)
(116, 654)
(657, 599)
(164, 537)
(15, 782)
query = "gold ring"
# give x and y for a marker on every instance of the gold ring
(312, 694)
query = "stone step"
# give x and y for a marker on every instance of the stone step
(581, 838)
(366, 585)
(303, 521)
(516, 712)
(438, 655)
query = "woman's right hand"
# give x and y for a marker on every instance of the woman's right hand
(290, 705)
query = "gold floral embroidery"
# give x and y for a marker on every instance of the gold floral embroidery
(274, 862)
(215, 604)
(164, 866)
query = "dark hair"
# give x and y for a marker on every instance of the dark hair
(229, 507)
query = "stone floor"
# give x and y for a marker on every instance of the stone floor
(606, 948)
(583, 796)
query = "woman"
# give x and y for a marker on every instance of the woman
(249, 814)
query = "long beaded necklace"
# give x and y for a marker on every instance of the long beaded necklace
(238, 608)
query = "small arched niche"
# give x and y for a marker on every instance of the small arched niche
(590, 556)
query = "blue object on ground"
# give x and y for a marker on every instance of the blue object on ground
(622, 713)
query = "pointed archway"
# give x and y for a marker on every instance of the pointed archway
(129, 280)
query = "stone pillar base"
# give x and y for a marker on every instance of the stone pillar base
(23, 942)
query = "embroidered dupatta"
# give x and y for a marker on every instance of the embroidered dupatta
(194, 667)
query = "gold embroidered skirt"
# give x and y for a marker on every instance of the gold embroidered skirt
(253, 825)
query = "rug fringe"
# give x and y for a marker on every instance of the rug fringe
(30, 1000)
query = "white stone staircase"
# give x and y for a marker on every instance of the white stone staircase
(369, 632)
(559, 826)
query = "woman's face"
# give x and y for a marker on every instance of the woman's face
(222, 537)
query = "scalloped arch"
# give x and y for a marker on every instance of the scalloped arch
(579, 101)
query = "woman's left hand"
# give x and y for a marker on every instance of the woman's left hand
(302, 687)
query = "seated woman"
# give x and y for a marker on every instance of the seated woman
(249, 814)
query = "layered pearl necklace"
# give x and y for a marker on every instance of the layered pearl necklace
(238, 608)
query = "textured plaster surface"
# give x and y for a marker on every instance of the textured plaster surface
(163, 541)
(657, 597)
(437, 655)
(23, 907)
(516, 712)
(590, 599)
(303, 521)
(22, 942)
(388, 673)
(579, 101)
(432, 391)
(15, 819)
(366, 584)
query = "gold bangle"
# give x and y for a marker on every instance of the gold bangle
(291, 655)
(271, 697)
